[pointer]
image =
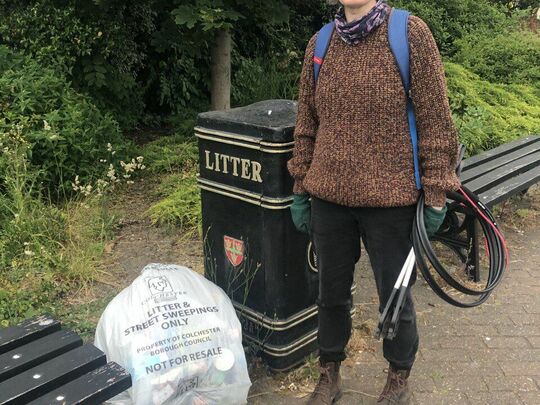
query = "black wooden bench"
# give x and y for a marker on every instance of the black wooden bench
(41, 363)
(495, 176)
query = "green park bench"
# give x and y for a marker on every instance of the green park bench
(494, 175)
(41, 363)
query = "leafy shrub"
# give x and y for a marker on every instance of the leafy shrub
(262, 79)
(512, 57)
(67, 134)
(171, 154)
(181, 203)
(452, 20)
(94, 44)
(488, 114)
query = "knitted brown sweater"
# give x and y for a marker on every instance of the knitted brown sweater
(352, 142)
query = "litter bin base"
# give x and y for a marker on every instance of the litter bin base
(282, 344)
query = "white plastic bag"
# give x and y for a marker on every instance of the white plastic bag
(178, 336)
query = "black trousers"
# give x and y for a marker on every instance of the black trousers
(336, 233)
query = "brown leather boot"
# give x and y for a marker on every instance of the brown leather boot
(328, 389)
(396, 390)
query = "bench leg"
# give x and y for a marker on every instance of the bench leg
(472, 266)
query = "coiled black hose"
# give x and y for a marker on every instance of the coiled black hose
(495, 245)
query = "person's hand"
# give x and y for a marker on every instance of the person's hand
(433, 218)
(301, 212)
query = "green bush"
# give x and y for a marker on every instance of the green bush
(180, 206)
(129, 56)
(67, 134)
(452, 20)
(94, 44)
(512, 57)
(171, 154)
(488, 114)
(177, 158)
(260, 79)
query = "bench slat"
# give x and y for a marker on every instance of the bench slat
(491, 179)
(488, 155)
(92, 388)
(510, 187)
(38, 351)
(500, 161)
(27, 331)
(50, 375)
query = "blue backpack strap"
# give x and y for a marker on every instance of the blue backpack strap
(322, 43)
(398, 37)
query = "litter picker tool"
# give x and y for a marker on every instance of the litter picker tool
(389, 318)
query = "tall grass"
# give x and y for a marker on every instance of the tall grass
(46, 251)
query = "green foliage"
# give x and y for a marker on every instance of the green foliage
(93, 43)
(67, 134)
(260, 79)
(170, 154)
(517, 4)
(181, 205)
(488, 114)
(512, 57)
(452, 20)
(44, 250)
(210, 14)
(222, 14)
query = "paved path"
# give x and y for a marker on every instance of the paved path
(485, 355)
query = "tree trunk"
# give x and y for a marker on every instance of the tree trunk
(221, 71)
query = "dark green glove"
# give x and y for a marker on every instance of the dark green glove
(301, 212)
(433, 219)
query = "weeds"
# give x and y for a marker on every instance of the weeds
(47, 251)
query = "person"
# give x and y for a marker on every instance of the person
(354, 179)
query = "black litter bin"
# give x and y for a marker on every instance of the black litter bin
(252, 249)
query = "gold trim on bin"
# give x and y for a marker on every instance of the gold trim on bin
(279, 324)
(243, 141)
(275, 203)
(282, 351)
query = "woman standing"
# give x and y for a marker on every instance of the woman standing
(353, 157)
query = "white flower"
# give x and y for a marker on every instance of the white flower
(111, 174)
(28, 252)
(46, 126)
(109, 147)
(140, 159)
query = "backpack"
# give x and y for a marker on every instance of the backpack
(399, 44)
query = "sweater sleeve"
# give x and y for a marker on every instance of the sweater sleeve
(306, 122)
(437, 134)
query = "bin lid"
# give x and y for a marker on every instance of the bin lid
(269, 120)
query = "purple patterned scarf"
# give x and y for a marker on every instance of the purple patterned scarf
(352, 32)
